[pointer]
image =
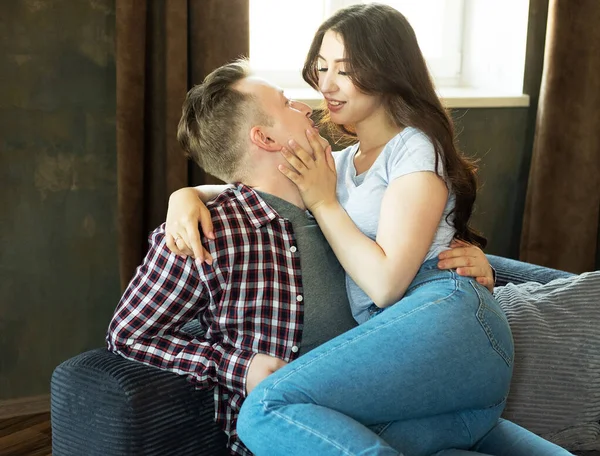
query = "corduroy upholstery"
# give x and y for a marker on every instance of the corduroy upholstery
(103, 404)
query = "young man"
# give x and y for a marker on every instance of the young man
(274, 290)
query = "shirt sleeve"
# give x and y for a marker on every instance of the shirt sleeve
(165, 294)
(415, 154)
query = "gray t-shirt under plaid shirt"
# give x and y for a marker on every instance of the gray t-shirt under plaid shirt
(408, 152)
(326, 308)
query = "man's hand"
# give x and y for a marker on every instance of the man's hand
(260, 368)
(468, 260)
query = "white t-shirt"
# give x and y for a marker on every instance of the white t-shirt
(408, 152)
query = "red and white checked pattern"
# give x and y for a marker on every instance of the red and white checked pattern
(248, 302)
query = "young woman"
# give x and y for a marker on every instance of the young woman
(431, 372)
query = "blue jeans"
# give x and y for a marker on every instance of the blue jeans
(429, 374)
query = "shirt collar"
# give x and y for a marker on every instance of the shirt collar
(258, 211)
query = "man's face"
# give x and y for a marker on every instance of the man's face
(290, 119)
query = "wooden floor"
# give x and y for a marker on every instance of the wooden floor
(26, 436)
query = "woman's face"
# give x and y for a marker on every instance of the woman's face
(346, 103)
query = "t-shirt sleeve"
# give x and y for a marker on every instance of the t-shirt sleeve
(412, 155)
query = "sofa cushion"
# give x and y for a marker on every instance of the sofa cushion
(555, 391)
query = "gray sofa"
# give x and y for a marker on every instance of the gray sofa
(103, 404)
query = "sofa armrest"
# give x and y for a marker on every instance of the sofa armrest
(104, 404)
(514, 271)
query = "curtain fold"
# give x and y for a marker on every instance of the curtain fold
(561, 226)
(219, 33)
(162, 46)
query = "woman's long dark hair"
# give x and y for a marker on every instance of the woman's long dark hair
(384, 59)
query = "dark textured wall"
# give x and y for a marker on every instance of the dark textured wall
(496, 137)
(58, 260)
(58, 243)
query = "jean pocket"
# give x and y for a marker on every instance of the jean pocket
(494, 323)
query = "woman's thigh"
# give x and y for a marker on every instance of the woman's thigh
(442, 348)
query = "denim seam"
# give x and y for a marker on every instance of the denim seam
(460, 415)
(354, 339)
(310, 431)
(486, 327)
(474, 445)
(274, 385)
(426, 282)
(384, 428)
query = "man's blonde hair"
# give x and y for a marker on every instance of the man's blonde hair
(215, 122)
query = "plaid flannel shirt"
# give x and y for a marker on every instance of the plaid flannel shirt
(255, 278)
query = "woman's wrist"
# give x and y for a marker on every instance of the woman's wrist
(325, 207)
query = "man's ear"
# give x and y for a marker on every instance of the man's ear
(260, 138)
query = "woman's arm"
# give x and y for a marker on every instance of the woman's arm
(411, 211)
(208, 192)
(187, 209)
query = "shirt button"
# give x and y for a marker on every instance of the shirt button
(295, 349)
(299, 298)
(293, 249)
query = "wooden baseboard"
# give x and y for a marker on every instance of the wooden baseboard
(24, 406)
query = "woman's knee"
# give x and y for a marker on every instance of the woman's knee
(259, 410)
(250, 415)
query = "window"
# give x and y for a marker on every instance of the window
(281, 33)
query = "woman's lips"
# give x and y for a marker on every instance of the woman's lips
(334, 105)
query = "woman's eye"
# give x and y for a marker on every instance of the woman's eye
(343, 73)
(322, 70)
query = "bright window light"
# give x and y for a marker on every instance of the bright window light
(281, 33)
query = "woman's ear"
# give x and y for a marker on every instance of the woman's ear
(260, 138)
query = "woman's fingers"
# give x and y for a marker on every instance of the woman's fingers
(470, 271)
(452, 262)
(188, 244)
(172, 246)
(329, 158)
(293, 160)
(206, 224)
(480, 274)
(302, 155)
(486, 282)
(183, 246)
(315, 144)
(290, 174)
(198, 250)
(468, 260)
(461, 250)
